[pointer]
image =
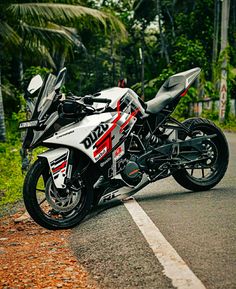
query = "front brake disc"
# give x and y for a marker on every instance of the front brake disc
(65, 202)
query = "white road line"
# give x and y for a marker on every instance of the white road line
(174, 267)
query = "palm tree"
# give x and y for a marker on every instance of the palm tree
(40, 28)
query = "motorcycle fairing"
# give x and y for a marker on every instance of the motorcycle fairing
(82, 135)
(98, 134)
(58, 164)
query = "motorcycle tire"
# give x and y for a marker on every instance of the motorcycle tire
(219, 147)
(33, 190)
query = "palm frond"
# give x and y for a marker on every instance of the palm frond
(70, 32)
(39, 50)
(64, 13)
(52, 35)
(8, 34)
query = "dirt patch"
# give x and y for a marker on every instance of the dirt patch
(32, 257)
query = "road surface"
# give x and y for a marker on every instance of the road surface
(198, 228)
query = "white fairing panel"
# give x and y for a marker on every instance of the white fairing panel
(114, 94)
(58, 163)
(95, 135)
(79, 135)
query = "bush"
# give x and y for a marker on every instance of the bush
(11, 177)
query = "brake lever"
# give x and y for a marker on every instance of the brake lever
(74, 97)
(102, 110)
(90, 109)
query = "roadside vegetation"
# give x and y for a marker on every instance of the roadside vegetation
(11, 177)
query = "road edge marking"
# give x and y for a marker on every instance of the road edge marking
(174, 266)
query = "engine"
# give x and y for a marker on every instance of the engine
(131, 173)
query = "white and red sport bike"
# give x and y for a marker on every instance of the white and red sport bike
(112, 144)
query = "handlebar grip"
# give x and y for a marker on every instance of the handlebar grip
(91, 100)
(101, 100)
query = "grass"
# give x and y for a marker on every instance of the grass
(11, 177)
(229, 125)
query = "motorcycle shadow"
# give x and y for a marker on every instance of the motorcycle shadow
(177, 195)
(101, 208)
(145, 197)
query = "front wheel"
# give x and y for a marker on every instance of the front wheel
(51, 208)
(202, 178)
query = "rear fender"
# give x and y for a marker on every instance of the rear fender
(58, 164)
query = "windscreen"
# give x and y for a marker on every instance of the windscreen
(50, 87)
(42, 110)
(45, 98)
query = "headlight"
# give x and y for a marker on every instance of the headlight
(26, 124)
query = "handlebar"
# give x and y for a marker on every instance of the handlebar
(91, 100)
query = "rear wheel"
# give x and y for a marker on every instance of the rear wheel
(207, 174)
(51, 208)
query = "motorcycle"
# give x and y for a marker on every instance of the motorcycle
(111, 145)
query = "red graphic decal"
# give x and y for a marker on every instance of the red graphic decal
(184, 93)
(112, 127)
(129, 118)
(186, 90)
(105, 144)
(118, 151)
(105, 140)
(60, 167)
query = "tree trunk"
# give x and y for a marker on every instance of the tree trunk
(2, 122)
(113, 63)
(224, 96)
(142, 62)
(172, 22)
(215, 39)
(21, 67)
(162, 36)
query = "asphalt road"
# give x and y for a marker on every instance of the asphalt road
(201, 227)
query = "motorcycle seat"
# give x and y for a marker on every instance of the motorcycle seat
(173, 87)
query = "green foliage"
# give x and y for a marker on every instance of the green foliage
(12, 98)
(151, 87)
(13, 132)
(228, 125)
(11, 178)
(209, 90)
(145, 11)
(182, 110)
(187, 54)
(212, 115)
(161, 78)
(34, 70)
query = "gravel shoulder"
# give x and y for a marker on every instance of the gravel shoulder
(32, 257)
